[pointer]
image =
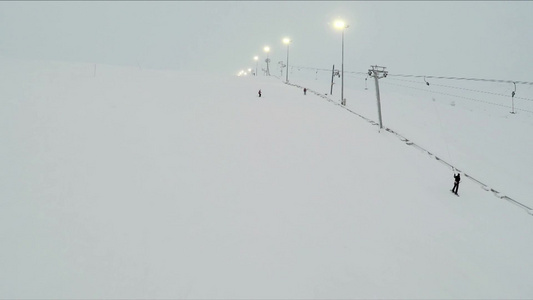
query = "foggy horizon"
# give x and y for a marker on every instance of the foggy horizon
(485, 39)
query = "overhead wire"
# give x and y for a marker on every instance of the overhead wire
(349, 73)
(463, 78)
(426, 76)
(464, 89)
(444, 136)
(462, 97)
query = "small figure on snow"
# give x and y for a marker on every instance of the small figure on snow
(259, 93)
(456, 183)
(305, 91)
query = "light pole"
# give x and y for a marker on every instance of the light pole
(267, 60)
(287, 41)
(339, 24)
(256, 58)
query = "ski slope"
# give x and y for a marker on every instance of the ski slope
(126, 183)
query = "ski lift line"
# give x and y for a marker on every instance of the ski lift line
(425, 90)
(484, 186)
(335, 103)
(357, 75)
(477, 181)
(419, 148)
(467, 98)
(410, 143)
(459, 88)
(425, 76)
(445, 162)
(310, 68)
(461, 78)
(326, 70)
(525, 207)
(440, 125)
(442, 132)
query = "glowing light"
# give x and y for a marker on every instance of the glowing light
(267, 49)
(256, 57)
(340, 24)
(286, 40)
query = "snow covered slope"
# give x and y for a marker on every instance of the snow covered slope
(466, 124)
(128, 183)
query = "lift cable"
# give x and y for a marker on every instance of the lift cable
(461, 78)
(462, 97)
(465, 89)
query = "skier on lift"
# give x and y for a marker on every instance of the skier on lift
(456, 183)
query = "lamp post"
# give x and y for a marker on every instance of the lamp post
(287, 41)
(267, 60)
(339, 24)
(256, 58)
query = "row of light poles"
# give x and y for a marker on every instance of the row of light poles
(377, 72)
(286, 41)
(244, 73)
(339, 24)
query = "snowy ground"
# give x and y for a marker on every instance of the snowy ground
(129, 183)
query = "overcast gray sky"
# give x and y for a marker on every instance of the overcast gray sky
(484, 39)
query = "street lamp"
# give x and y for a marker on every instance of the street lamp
(339, 24)
(256, 58)
(267, 60)
(287, 41)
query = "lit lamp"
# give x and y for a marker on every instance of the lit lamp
(256, 58)
(267, 60)
(287, 41)
(339, 24)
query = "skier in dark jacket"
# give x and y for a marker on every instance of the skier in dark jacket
(456, 183)
(259, 93)
(305, 91)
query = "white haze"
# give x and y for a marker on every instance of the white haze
(485, 39)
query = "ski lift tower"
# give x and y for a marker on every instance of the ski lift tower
(281, 67)
(378, 72)
(267, 60)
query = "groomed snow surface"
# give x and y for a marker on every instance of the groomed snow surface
(127, 183)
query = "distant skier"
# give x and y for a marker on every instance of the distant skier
(305, 91)
(456, 183)
(259, 93)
